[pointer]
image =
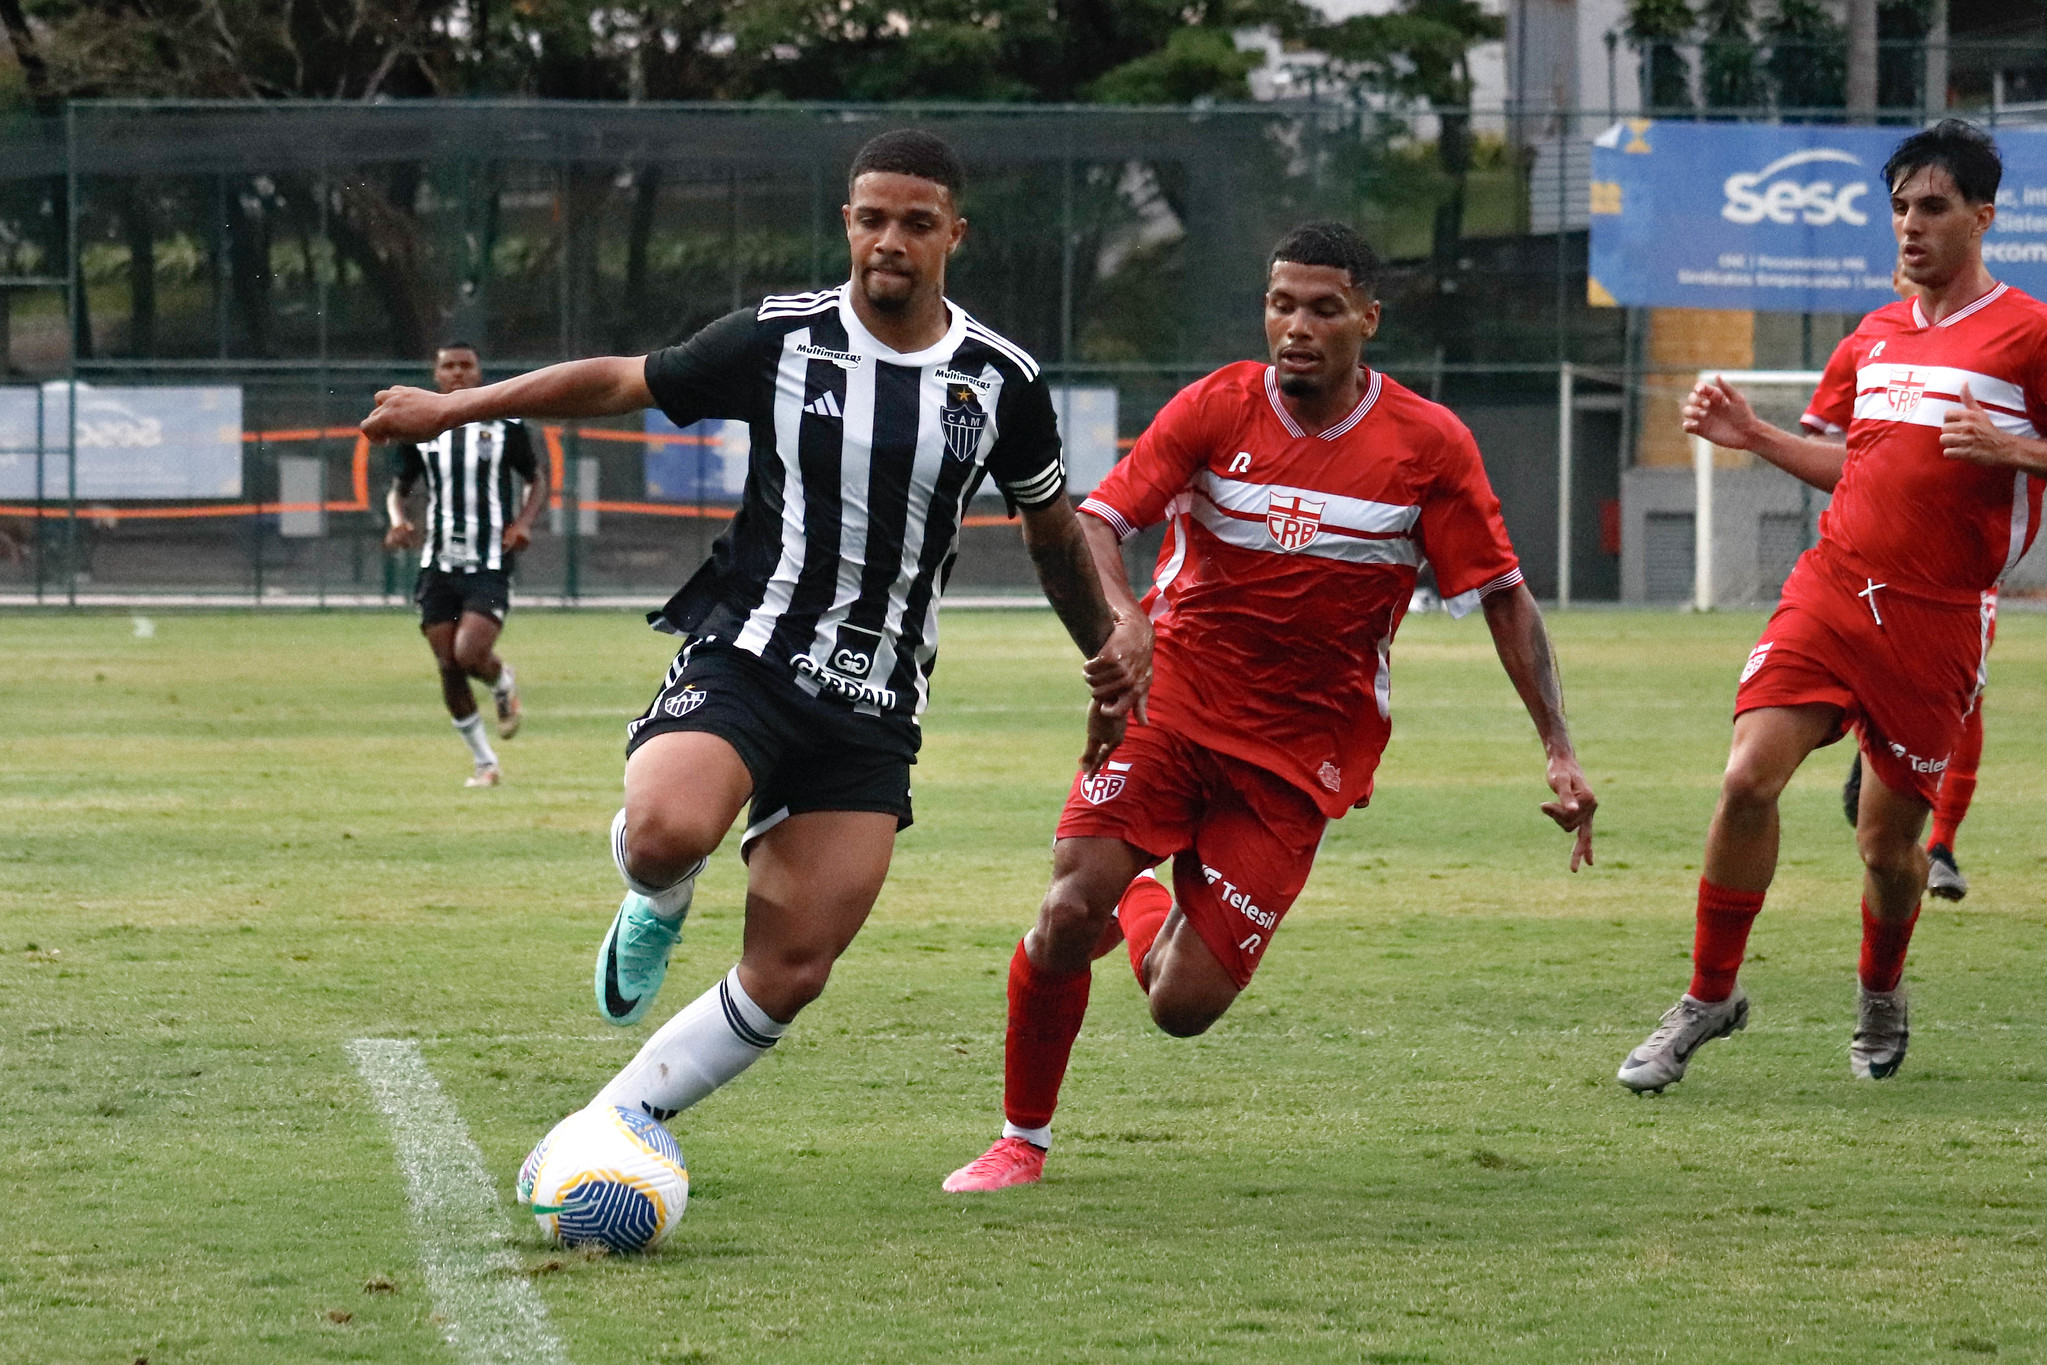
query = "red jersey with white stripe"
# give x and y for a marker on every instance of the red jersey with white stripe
(1904, 514)
(1290, 561)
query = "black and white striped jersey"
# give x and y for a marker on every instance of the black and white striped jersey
(470, 496)
(863, 462)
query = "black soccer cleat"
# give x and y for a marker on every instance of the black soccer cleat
(1943, 878)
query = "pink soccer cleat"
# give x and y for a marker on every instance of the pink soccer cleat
(1012, 1161)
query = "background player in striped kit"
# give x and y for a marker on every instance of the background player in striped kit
(467, 551)
(875, 410)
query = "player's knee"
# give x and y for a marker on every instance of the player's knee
(1890, 853)
(1067, 921)
(1750, 783)
(471, 659)
(661, 846)
(1180, 1015)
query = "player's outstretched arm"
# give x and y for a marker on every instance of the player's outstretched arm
(1523, 644)
(1718, 411)
(1117, 642)
(602, 387)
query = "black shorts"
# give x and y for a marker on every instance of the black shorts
(804, 753)
(444, 596)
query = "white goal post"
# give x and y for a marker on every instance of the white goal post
(1780, 398)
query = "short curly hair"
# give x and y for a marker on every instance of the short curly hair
(911, 151)
(1331, 244)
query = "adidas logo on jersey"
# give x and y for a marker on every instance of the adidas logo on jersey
(825, 404)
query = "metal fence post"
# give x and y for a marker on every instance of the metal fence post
(73, 286)
(1567, 397)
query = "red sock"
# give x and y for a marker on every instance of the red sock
(1725, 917)
(1045, 1013)
(1956, 791)
(1958, 784)
(1142, 912)
(1883, 950)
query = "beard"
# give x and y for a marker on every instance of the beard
(1300, 385)
(890, 301)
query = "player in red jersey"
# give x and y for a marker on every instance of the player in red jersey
(1944, 877)
(1882, 627)
(1302, 496)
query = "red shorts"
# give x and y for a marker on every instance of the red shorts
(1905, 681)
(1242, 839)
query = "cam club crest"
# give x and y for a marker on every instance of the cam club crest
(1105, 784)
(1903, 391)
(1293, 520)
(963, 419)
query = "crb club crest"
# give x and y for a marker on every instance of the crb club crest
(963, 420)
(1293, 520)
(1903, 392)
(1105, 784)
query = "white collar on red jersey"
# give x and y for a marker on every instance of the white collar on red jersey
(1919, 314)
(1357, 414)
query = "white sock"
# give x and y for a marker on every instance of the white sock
(471, 730)
(669, 902)
(504, 683)
(1037, 1137)
(715, 1037)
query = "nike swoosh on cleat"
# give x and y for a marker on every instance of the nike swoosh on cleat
(615, 1004)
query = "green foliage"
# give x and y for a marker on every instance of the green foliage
(232, 848)
(1731, 78)
(1808, 61)
(1196, 63)
(1657, 28)
(1419, 50)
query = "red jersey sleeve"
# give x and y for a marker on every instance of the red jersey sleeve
(1137, 491)
(1461, 531)
(1833, 402)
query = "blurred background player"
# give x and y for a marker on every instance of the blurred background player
(468, 548)
(1882, 626)
(1304, 494)
(1944, 877)
(876, 409)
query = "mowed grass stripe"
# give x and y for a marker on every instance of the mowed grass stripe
(489, 1311)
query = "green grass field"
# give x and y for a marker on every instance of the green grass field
(227, 850)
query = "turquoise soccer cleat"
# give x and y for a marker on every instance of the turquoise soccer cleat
(633, 959)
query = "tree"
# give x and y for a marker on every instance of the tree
(1657, 28)
(1728, 56)
(1195, 63)
(1808, 61)
(1422, 51)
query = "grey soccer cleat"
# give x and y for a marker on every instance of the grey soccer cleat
(1943, 877)
(1664, 1054)
(1878, 1048)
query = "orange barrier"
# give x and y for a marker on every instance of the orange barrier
(359, 482)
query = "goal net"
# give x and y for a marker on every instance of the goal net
(1752, 520)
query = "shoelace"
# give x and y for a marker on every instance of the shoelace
(644, 937)
(1674, 1022)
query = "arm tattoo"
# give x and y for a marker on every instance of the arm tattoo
(1067, 572)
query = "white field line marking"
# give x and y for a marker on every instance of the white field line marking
(489, 1311)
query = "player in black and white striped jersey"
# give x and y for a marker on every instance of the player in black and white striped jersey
(467, 549)
(876, 409)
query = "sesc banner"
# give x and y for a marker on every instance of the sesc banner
(139, 443)
(1778, 218)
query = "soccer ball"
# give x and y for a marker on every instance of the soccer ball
(606, 1176)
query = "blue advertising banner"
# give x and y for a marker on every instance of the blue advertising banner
(151, 442)
(1778, 218)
